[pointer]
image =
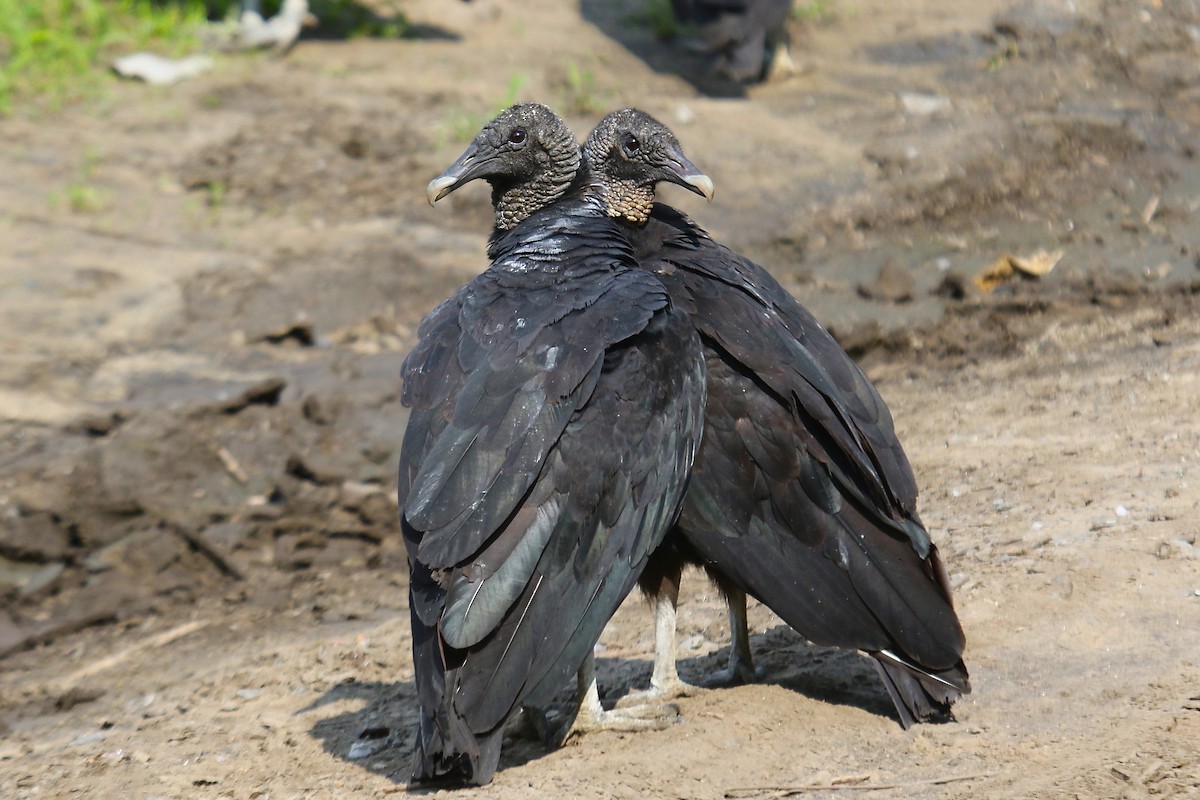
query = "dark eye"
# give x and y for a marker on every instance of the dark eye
(517, 136)
(630, 143)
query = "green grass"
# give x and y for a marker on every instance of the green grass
(581, 94)
(81, 195)
(56, 51)
(815, 11)
(659, 18)
(1007, 52)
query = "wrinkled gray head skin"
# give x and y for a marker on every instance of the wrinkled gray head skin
(527, 154)
(628, 153)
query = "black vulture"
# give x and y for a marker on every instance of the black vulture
(801, 495)
(744, 36)
(556, 407)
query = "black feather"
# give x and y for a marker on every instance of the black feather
(801, 494)
(556, 411)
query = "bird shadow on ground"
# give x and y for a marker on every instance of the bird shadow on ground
(375, 723)
(375, 727)
(639, 26)
(377, 730)
(784, 658)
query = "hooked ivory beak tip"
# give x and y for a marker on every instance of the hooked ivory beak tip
(441, 186)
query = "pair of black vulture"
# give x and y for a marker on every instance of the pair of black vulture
(616, 396)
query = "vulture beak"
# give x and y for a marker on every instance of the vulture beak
(700, 184)
(470, 165)
(439, 187)
(683, 172)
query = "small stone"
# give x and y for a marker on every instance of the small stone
(923, 104)
(87, 738)
(42, 579)
(1158, 273)
(361, 750)
(11, 635)
(354, 493)
(35, 536)
(140, 703)
(892, 285)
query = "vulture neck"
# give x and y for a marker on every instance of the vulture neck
(623, 197)
(515, 202)
(627, 199)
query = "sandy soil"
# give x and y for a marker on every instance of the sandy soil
(207, 292)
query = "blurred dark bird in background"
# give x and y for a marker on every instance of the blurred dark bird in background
(747, 39)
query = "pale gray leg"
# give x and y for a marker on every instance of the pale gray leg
(665, 682)
(591, 716)
(741, 660)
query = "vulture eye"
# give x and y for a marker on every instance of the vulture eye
(630, 143)
(517, 136)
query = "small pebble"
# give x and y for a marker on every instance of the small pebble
(365, 747)
(87, 738)
(921, 104)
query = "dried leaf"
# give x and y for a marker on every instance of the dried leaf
(999, 272)
(1005, 268)
(1038, 264)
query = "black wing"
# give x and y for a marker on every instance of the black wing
(801, 493)
(740, 307)
(553, 428)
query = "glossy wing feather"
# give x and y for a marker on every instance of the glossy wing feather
(549, 451)
(801, 494)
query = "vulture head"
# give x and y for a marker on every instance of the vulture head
(628, 154)
(527, 154)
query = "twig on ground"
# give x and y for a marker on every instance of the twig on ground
(832, 786)
(107, 663)
(231, 464)
(197, 543)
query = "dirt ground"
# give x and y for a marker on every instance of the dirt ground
(206, 292)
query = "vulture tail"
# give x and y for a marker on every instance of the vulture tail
(921, 695)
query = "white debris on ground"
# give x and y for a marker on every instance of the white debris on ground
(159, 70)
